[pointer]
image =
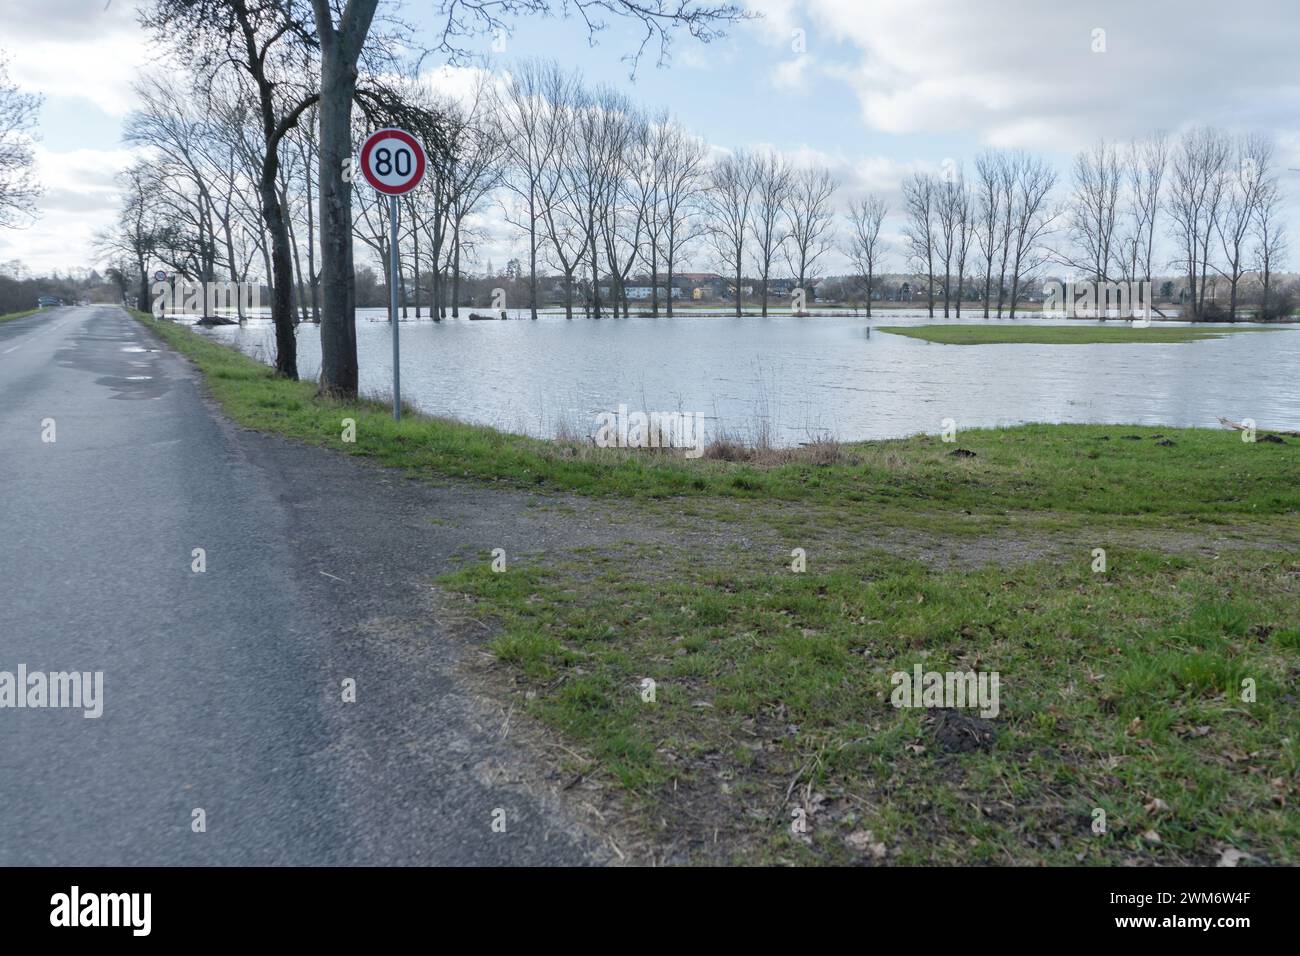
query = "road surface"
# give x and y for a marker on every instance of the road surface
(223, 689)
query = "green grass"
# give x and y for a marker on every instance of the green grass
(1056, 334)
(1120, 691)
(18, 315)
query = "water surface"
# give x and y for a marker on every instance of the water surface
(802, 377)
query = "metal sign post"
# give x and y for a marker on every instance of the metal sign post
(393, 161)
(392, 305)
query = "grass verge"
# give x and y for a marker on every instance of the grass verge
(18, 315)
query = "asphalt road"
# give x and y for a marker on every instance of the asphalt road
(223, 689)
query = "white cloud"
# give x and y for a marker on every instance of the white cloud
(1023, 73)
(458, 83)
(791, 74)
(80, 199)
(74, 48)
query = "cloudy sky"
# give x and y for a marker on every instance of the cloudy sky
(872, 88)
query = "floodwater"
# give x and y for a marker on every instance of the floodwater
(799, 378)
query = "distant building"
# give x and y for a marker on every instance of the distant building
(639, 292)
(701, 285)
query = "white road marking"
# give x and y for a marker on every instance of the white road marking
(14, 349)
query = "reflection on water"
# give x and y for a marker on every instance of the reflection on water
(798, 378)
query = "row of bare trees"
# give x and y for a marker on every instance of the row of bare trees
(993, 230)
(286, 81)
(1214, 196)
(598, 188)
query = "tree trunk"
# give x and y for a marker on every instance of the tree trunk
(668, 304)
(455, 270)
(142, 302)
(929, 272)
(297, 260)
(286, 345)
(532, 255)
(595, 279)
(338, 81)
(415, 256)
(313, 278)
(654, 281)
(338, 332)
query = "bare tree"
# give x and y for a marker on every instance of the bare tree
(1008, 172)
(621, 139)
(810, 214)
(865, 247)
(657, 21)
(593, 174)
(1032, 219)
(530, 139)
(683, 179)
(18, 187)
(566, 210)
(990, 202)
(952, 205)
(1145, 165)
(180, 145)
(627, 202)
(474, 168)
(1270, 243)
(268, 45)
(648, 173)
(772, 179)
(1248, 177)
(136, 234)
(919, 231)
(1197, 182)
(964, 212)
(1093, 212)
(728, 204)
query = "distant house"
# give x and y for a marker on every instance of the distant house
(641, 292)
(701, 285)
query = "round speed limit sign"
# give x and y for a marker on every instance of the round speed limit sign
(392, 160)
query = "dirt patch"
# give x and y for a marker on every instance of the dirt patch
(958, 733)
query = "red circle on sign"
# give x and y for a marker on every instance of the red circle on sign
(383, 182)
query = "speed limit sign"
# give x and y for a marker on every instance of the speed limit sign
(392, 160)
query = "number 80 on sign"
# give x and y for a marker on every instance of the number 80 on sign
(393, 161)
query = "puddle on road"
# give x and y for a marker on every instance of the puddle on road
(134, 387)
(136, 348)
